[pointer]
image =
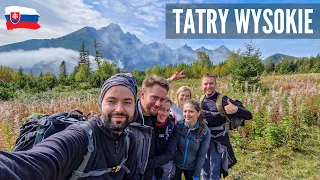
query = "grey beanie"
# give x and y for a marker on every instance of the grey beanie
(124, 79)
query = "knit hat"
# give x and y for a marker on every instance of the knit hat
(124, 79)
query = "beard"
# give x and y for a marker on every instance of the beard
(149, 110)
(115, 126)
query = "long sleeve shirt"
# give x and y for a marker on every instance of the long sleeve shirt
(59, 155)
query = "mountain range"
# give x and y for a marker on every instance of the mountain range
(278, 57)
(125, 49)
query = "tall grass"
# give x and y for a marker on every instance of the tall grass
(280, 142)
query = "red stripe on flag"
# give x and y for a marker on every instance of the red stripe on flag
(26, 25)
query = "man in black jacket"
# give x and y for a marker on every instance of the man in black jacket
(153, 93)
(58, 156)
(220, 156)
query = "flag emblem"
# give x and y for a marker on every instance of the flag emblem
(21, 17)
(15, 17)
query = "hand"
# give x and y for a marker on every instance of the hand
(177, 75)
(230, 108)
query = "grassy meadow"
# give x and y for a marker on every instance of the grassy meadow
(282, 140)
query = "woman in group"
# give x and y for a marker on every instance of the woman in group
(164, 129)
(183, 94)
(193, 142)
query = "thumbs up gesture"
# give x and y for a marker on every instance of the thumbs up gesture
(230, 108)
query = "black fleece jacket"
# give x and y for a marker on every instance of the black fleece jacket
(59, 155)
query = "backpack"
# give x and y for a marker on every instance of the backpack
(38, 127)
(233, 122)
(169, 130)
(143, 135)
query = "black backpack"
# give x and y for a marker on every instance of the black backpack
(38, 127)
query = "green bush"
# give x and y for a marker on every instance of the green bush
(275, 134)
(309, 117)
(6, 93)
(258, 125)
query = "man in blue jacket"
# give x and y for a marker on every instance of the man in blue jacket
(58, 156)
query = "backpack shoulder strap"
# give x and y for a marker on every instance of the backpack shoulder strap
(202, 97)
(219, 104)
(169, 129)
(79, 172)
(127, 141)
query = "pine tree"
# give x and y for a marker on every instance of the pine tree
(98, 54)
(247, 67)
(203, 59)
(82, 54)
(20, 72)
(270, 67)
(21, 79)
(63, 71)
(41, 74)
(87, 70)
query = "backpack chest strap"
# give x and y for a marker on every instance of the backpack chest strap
(79, 173)
(224, 127)
(100, 172)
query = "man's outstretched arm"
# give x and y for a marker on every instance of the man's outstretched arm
(54, 158)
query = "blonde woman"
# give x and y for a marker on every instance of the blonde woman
(183, 94)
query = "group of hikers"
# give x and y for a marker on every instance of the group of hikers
(150, 138)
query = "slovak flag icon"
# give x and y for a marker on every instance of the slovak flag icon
(21, 17)
(14, 17)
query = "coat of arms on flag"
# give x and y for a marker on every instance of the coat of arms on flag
(21, 17)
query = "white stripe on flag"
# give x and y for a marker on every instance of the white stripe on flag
(22, 10)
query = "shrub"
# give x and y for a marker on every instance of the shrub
(275, 134)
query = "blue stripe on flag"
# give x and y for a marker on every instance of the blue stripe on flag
(25, 18)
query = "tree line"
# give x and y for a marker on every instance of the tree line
(243, 66)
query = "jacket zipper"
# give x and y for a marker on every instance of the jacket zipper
(186, 150)
(117, 147)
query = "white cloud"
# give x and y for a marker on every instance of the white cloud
(151, 13)
(139, 3)
(76, 13)
(147, 18)
(120, 64)
(57, 18)
(184, 1)
(157, 12)
(43, 56)
(133, 29)
(3, 26)
(29, 58)
(153, 25)
(95, 2)
(115, 5)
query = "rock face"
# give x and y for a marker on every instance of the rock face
(125, 49)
